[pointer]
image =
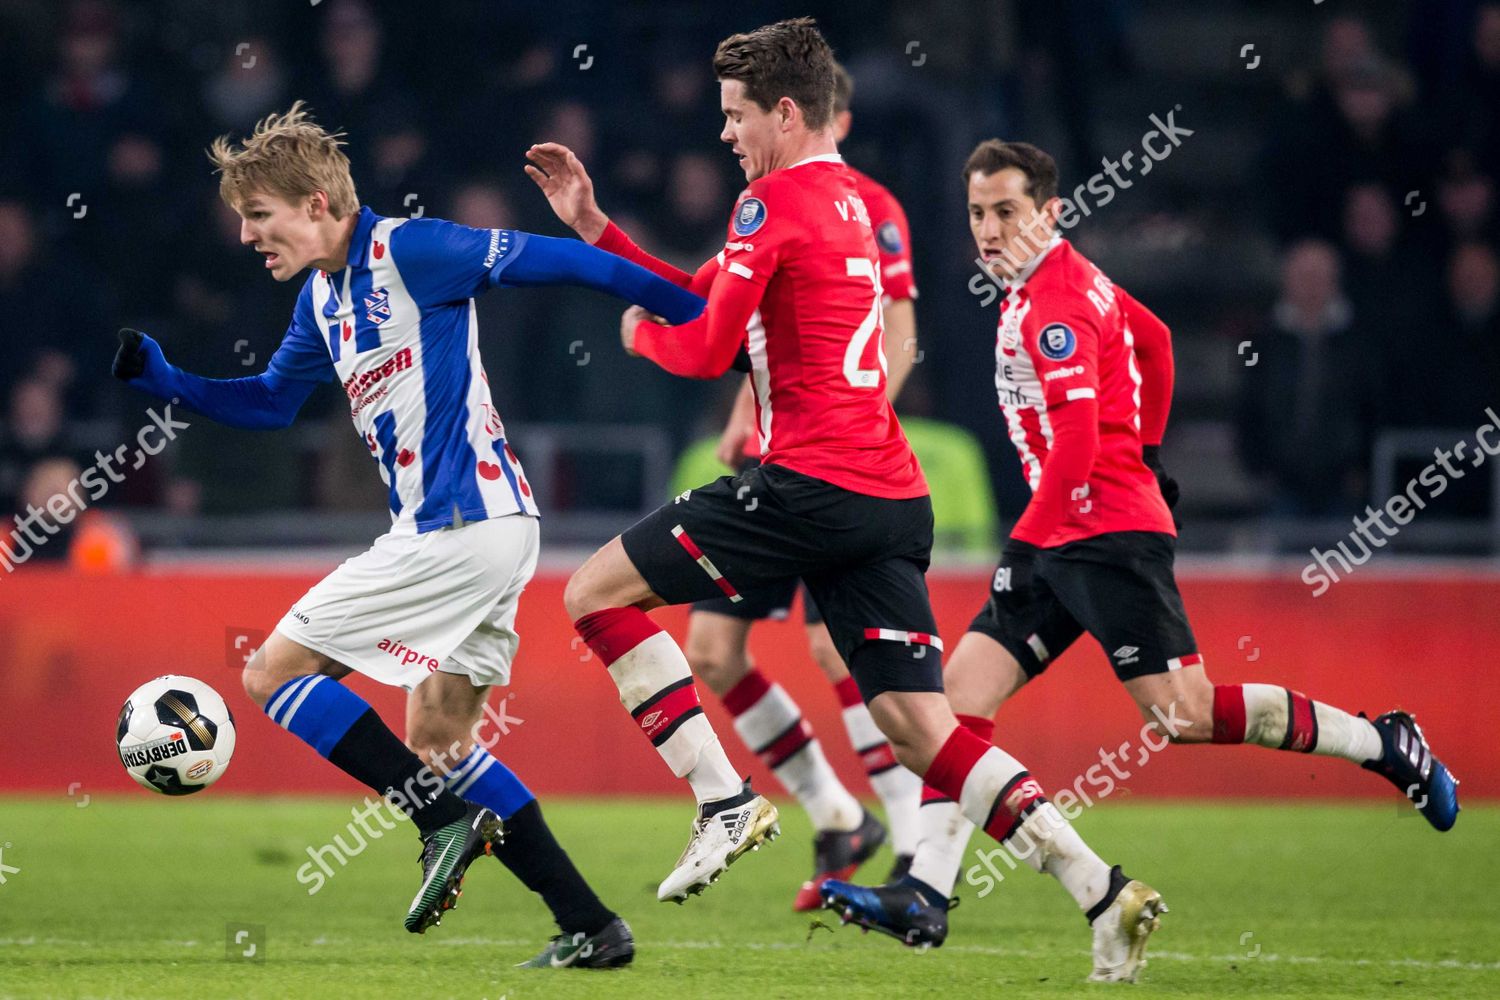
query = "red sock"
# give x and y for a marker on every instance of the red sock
(613, 632)
(1229, 713)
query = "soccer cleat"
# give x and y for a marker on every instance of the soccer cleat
(1122, 923)
(610, 948)
(836, 854)
(898, 910)
(1409, 763)
(722, 833)
(446, 855)
(900, 869)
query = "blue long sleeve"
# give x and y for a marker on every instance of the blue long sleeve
(260, 402)
(544, 260)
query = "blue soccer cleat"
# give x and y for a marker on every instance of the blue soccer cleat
(899, 910)
(1409, 763)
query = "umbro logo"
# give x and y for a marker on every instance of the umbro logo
(650, 720)
(1126, 654)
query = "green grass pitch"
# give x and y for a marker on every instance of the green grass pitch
(138, 896)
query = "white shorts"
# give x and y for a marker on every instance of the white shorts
(414, 603)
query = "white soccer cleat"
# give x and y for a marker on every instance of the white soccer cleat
(1121, 931)
(718, 840)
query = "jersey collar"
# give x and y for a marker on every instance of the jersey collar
(359, 243)
(820, 158)
(1035, 262)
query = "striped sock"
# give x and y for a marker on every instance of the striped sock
(772, 725)
(900, 791)
(528, 849)
(656, 688)
(341, 726)
(995, 792)
(481, 778)
(945, 831)
(1282, 719)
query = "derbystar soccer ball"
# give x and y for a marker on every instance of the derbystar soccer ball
(175, 735)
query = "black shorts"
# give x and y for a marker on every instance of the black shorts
(1118, 587)
(773, 602)
(861, 557)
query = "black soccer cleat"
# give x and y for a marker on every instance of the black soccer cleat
(836, 855)
(610, 948)
(1409, 763)
(446, 855)
(898, 910)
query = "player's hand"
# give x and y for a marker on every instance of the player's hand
(628, 322)
(137, 355)
(570, 192)
(731, 448)
(1170, 491)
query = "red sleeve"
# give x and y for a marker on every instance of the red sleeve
(705, 347)
(893, 240)
(1063, 342)
(1153, 355)
(1065, 473)
(616, 242)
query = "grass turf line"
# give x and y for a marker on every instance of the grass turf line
(135, 897)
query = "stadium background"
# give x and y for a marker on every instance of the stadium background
(1323, 245)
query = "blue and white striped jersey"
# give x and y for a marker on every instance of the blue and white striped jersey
(397, 329)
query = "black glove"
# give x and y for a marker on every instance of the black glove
(1017, 565)
(1170, 491)
(130, 360)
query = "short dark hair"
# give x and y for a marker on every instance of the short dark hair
(843, 89)
(1040, 169)
(785, 59)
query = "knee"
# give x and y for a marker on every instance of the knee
(718, 663)
(1184, 717)
(578, 594)
(440, 746)
(826, 654)
(259, 678)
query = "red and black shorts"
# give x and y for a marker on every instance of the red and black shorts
(1118, 587)
(861, 557)
(773, 602)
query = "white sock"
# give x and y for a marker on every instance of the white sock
(771, 724)
(900, 791)
(656, 687)
(998, 794)
(943, 838)
(1281, 719)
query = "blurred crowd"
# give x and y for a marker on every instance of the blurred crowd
(1382, 192)
(1379, 180)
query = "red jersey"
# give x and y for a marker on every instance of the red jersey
(798, 283)
(1064, 337)
(892, 240)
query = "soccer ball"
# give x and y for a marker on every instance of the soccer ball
(175, 735)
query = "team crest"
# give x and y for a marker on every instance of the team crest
(750, 216)
(1057, 341)
(889, 236)
(378, 306)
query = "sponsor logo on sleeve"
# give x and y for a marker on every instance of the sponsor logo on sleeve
(889, 236)
(1057, 341)
(749, 217)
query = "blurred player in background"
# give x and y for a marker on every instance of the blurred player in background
(765, 716)
(1084, 373)
(839, 500)
(388, 312)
